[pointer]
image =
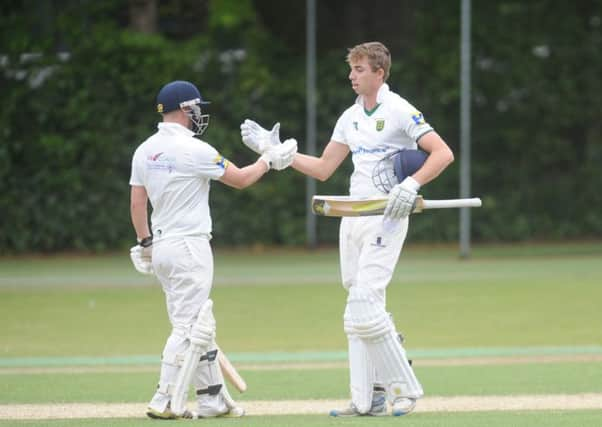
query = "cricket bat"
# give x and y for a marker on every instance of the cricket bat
(338, 206)
(230, 373)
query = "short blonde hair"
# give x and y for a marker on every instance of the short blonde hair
(377, 53)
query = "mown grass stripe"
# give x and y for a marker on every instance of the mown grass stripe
(306, 356)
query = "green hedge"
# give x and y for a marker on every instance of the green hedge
(68, 137)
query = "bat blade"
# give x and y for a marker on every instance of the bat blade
(230, 373)
(341, 206)
(338, 206)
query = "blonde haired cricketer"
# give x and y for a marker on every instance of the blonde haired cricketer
(378, 124)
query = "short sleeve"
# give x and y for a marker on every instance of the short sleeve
(209, 162)
(413, 122)
(338, 134)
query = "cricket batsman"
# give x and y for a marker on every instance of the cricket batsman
(377, 126)
(173, 171)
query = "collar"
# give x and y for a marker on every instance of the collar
(174, 128)
(380, 95)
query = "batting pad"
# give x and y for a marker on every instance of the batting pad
(197, 348)
(208, 377)
(171, 361)
(361, 374)
(366, 317)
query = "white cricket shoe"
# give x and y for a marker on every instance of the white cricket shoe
(378, 408)
(403, 406)
(169, 415)
(215, 406)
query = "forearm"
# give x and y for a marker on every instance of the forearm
(240, 178)
(313, 166)
(138, 211)
(309, 165)
(140, 220)
(440, 156)
(436, 163)
(252, 173)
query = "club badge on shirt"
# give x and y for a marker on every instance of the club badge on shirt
(418, 118)
(380, 124)
(221, 161)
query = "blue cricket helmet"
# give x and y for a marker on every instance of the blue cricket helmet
(407, 162)
(173, 94)
(184, 95)
(394, 168)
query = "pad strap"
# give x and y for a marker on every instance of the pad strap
(210, 356)
(212, 390)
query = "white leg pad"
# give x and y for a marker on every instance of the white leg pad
(171, 360)
(212, 394)
(365, 316)
(361, 374)
(205, 322)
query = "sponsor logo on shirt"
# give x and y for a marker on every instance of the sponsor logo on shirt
(418, 118)
(355, 126)
(364, 150)
(161, 161)
(221, 161)
(380, 124)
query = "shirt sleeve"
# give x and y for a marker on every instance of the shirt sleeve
(413, 122)
(338, 134)
(137, 176)
(209, 162)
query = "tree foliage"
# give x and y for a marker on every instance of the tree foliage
(79, 89)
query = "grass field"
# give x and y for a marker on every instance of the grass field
(513, 324)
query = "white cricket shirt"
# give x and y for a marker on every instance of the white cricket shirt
(395, 124)
(175, 169)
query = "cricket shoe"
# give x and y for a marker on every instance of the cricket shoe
(217, 408)
(378, 408)
(403, 406)
(168, 414)
(234, 412)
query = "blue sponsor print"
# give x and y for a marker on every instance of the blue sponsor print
(364, 150)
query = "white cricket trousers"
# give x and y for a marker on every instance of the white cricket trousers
(369, 252)
(184, 266)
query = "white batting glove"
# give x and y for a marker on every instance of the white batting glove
(257, 138)
(281, 156)
(142, 258)
(401, 199)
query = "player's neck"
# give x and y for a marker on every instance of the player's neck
(370, 101)
(176, 117)
(370, 98)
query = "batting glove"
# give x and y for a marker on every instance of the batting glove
(257, 138)
(281, 156)
(401, 199)
(142, 258)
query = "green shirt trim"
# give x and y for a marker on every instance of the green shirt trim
(370, 112)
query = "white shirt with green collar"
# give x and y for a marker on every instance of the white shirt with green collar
(394, 124)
